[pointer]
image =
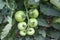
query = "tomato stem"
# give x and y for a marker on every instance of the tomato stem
(26, 12)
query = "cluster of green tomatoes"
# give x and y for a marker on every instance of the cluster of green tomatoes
(27, 28)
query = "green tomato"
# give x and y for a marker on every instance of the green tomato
(22, 33)
(32, 22)
(20, 16)
(22, 26)
(33, 13)
(30, 31)
(56, 3)
(33, 3)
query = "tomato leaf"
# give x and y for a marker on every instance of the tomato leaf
(56, 25)
(42, 32)
(33, 2)
(49, 11)
(42, 22)
(56, 20)
(29, 38)
(7, 28)
(2, 4)
(54, 34)
(0, 18)
(39, 37)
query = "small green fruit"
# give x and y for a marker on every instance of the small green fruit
(22, 26)
(33, 13)
(32, 22)
(30, 31)
(20, 16)
(22, 33)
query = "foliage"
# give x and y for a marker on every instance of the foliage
(48, 20)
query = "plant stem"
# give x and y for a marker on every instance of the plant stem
(7, 4)
(12, 9)
(26, 11)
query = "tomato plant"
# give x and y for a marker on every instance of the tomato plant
(29, 19)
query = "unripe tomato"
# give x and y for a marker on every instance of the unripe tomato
(33, 3)
(20, 16)
(30, 31)
(33, 13)
(22, 26)
(22, 33)
(32, 22)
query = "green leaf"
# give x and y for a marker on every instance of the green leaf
(59, 38)
(55, 3)
(4, 11)
(39, 37)
(29, 38)
(13, 21)
(0, 18)
(33, 2)
(54, 34)
(20, 38)
(42, 22)
(2, 4)
(49, 11)
(42, 32)
(56, 20)
(56, 25)
(11, 34)
(7, 28)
